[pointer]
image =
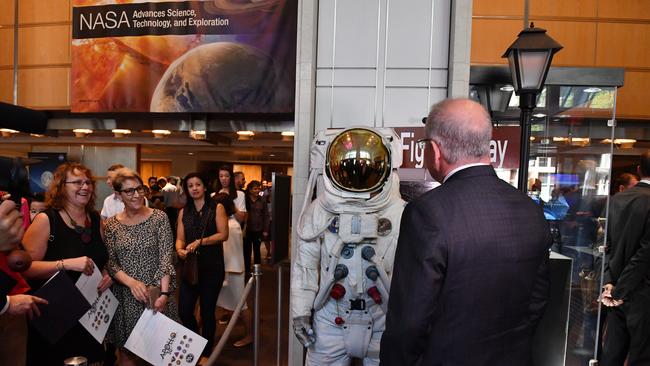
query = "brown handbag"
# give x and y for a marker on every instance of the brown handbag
(191, 269)
(191, 263)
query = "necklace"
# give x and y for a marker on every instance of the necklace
(85, 231)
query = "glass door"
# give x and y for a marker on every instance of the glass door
(569, 176)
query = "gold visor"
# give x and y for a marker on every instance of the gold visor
(358, 161)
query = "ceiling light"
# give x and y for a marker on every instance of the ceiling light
(198, 134)
(539, 115)
(579, 141)
(190, 153)
(560, 139)
(82, 132)
(159, 134)
(36, 135)
(7, 132)
(593, 89)
(245, 135)
(507, 88)
(287, 136)
(120, 132)
(624, 143)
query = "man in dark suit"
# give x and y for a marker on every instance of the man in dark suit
(471, 270)
(627, 274)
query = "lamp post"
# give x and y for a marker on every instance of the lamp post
(530, 57)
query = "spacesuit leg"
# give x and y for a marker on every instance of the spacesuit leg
(329, 348)
(378, 327)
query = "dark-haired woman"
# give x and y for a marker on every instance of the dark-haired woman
(226, 184)
(233, 288)
(74, 247)
(257, 224)
(202, 228)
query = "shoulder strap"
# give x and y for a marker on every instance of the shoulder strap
(51, 215)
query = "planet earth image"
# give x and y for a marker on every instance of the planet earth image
(217, 77)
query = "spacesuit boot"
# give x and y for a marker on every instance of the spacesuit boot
(346, 245)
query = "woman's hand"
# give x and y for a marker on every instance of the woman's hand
(191, 248)
(105, 283)
(182, 253)
(160, 304)
(139, 291)
(80, 264)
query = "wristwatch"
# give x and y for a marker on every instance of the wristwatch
(165, 293)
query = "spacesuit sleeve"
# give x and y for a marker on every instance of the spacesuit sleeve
(419, 270)
(304, 277)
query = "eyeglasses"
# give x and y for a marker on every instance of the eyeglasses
(80, 183)
(422, 143)
(130, 191)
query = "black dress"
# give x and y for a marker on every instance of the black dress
(211, 273)
(77, 342)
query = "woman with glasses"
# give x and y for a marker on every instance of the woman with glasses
(202, 229)
(66, 237)
(140, 249)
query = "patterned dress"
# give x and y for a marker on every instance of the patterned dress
(143, 251)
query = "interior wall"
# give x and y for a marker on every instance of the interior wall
(155, 168)
(97, 159)
(380, 63)
(44, 30)
(594, 33)
(251, 172)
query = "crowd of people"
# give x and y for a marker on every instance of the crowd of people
(449, 268)
(138, 241)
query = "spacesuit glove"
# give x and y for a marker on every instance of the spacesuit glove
(303, 330)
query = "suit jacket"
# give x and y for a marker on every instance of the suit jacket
(628, 253)
(470, 279)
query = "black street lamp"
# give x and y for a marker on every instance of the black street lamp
(530, 57)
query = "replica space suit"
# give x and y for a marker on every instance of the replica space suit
(346, 244)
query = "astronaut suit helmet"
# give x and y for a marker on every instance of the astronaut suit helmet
(358, 161)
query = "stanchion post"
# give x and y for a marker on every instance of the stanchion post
(279, 325)
(257, 272)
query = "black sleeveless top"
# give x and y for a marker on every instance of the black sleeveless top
(67, 243)
(210, 256)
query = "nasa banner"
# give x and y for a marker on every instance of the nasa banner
(217, 56)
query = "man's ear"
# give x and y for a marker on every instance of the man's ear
(436, 151)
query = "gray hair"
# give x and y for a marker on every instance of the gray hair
(124, 174)
(460, 136)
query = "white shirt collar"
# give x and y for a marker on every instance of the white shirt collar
(461, 168)
(646, 181)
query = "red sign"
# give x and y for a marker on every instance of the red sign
(504, 147)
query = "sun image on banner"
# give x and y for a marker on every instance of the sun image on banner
(218, 56)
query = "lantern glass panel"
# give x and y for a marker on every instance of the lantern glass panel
(533, 66)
